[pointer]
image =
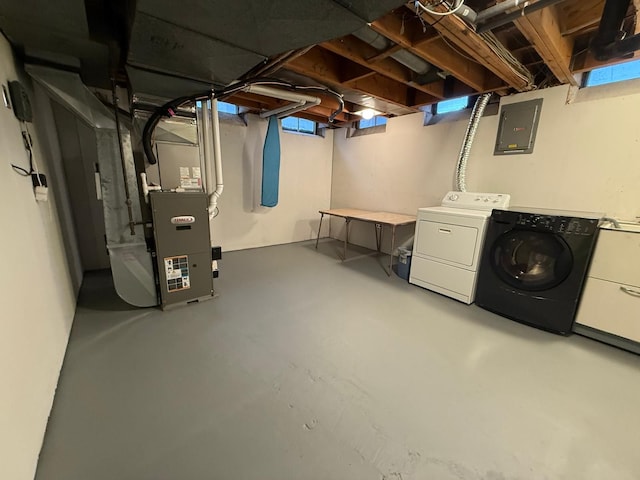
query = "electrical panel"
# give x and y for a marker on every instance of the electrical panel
(183, 247)
(518, 127)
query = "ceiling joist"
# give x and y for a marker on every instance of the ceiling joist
(458, 33)
(359, 52)
(437, 52)
(326, 67)
(542, 28)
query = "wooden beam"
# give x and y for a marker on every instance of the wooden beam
(542, 29)
(458, 33)
(352, 72)
(438, 53)
(579, 15)
(359, 52)
(326, 67)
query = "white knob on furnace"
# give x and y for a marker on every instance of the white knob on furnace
(453, 197)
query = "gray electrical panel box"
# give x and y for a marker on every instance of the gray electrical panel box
(183, 246)
(518, 126)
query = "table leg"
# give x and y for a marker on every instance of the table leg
(393, 241)
(320, 227)
(346, 238)
(378, 228)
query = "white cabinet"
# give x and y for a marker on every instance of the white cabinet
(610, 305)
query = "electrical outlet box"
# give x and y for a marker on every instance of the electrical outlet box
(42, 194)
(20, 101)
(518, 127)
(38, 180)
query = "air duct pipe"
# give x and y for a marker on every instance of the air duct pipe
(217, 159)
(211, 148)
(497, 21)
(476, 115)
(404, 57)
(498, 8)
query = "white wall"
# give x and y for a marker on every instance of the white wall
(585, 158)
(305, 187)
(38, 297)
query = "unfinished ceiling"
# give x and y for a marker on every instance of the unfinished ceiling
(392, 56)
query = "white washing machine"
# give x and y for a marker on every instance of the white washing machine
(449, 241)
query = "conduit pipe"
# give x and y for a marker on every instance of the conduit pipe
(285, 109)
(278, 93)
(300, 101)
(123, 163)
(610, 41)
(476, 115)
(146, 188)
(497, 9)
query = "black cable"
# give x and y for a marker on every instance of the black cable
(20, 171)
(26, 138)
(169, 108)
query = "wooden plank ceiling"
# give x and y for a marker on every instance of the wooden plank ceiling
(447, 58)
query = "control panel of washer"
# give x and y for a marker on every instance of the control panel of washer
(476, 201)
(558, 224)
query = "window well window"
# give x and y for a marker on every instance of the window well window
(454, 105)
(224, 107)
(372, 122)
(613, 73)
(300, 125)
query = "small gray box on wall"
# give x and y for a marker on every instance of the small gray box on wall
(518, 126)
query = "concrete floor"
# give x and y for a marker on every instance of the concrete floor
(308, 368)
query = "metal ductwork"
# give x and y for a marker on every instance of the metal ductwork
(130, 260)
(486, 23)
(406, 58)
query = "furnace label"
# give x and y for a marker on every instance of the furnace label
(177, 273)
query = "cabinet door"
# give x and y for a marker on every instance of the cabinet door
(611, 307)
(617, 257)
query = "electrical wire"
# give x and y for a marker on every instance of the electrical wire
(458, 51)
(26, 138)
(492, 41)
(451, 10)
(169, 108)
(507, 57)
(32, 160)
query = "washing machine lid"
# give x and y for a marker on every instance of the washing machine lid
(461, 212)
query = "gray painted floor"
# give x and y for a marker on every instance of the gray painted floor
(307, 368)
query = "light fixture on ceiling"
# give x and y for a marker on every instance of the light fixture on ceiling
(367, 113)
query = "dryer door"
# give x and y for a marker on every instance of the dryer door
(531, 261)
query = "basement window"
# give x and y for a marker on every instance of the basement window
(299, 125)
(613, 73)
(376, 121)
(454, 105)
(224, 107)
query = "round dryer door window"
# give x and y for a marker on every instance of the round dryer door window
(531, 260)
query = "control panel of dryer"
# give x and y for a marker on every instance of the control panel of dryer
(476, 201)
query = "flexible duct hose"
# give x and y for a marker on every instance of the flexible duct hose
(476, 115)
